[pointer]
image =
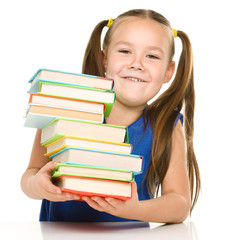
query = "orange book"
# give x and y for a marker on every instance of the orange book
(65, 113)
(85, 186)
(69, 103)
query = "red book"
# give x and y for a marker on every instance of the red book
(86, 186)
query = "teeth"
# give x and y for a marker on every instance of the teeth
(135, 79)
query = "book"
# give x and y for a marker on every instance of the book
(92, 172)
(72, 78)
(38, 116)
(90, 157)
(76, 92)
(71, 141)
(95, 187)
(105, 132)
(61, 102)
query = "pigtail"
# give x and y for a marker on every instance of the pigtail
(92, 62)
(189, 103)
(163, 114)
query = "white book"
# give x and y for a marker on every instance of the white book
(70, 141)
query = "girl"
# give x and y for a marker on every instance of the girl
(137, 53)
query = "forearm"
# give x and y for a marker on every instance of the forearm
(170, 208)
(27, 183)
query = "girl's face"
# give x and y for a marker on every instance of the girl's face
(138, 60)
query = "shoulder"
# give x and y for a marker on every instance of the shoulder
(178, 132)
(178, 152)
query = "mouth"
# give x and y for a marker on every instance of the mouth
(134, 79)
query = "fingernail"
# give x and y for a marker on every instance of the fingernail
(58, 191)
(68, 195)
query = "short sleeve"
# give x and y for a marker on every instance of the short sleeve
(181, 118)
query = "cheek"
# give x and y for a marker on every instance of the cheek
(157, 75)
(114, 65)
(112, 70)
(151, 91)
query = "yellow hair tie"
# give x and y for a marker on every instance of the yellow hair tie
(110, 22)
(174, 32)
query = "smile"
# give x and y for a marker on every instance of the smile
(134, 79)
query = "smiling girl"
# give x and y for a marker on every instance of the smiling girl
(137, 53)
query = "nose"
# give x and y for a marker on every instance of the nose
(136, 64)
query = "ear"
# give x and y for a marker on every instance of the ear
(104, 58)
(169, 72)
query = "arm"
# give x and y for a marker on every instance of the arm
(36, 181)
(174, 203)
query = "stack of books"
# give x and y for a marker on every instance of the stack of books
(93, 158)
(60, 94)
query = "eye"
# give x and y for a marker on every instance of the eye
(124, 51)
(150, 56)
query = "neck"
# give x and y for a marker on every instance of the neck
(123, 115)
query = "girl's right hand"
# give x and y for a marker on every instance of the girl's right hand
(44, 188)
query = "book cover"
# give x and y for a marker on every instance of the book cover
(91, 172)
(33, 120)
(95, 187)
(73, 78)
(37, 115)
(90, 157)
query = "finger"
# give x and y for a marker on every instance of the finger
(51, 188)
(66, 197)
(115, 203)
(92, 203)
(62, 197)
(134, 190)
(103, 203)
(48, 168)
(134, 185)
(71, 196)
(47, 185)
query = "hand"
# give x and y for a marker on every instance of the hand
(45, 189)
(125, 209)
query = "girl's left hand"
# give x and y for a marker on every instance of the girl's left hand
(116, 207)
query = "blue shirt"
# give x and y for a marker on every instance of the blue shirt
(79, 211)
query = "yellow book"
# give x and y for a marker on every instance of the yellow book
(71, 141)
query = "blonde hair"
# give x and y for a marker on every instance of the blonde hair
(166, 108)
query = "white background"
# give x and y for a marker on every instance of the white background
(53, 34)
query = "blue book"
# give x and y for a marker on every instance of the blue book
(70, 78)
(104, 159)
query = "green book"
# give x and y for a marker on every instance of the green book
(92, 172)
